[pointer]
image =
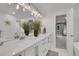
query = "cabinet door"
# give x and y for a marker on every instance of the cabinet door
(43, 47)
(30, 51)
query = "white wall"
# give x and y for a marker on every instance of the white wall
(49, 23)
(46, 23)
(76, 23)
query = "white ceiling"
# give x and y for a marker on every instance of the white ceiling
(49, 8)
(8, 9)
(44, 8)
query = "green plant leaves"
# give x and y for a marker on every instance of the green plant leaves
(36, 25)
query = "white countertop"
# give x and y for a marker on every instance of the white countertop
(15, 46)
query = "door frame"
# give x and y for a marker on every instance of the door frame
(57, 14)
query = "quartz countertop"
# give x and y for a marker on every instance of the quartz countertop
(15, 46)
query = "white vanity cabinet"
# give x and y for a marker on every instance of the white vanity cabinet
(20, 53)
(36, 46)
(39, 49)
(43, 47)
(30, 51)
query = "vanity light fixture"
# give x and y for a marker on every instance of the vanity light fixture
(9, 3)
(39, 15)
(28, 7)
(17, 7)
(32, 10)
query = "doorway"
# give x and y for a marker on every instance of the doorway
(61, 31)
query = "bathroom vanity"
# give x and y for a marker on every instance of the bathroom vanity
(29, 46)
(76, 49)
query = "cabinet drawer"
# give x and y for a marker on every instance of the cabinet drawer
(43, 42)
(43, 47)
(20, 54)
(30, 51)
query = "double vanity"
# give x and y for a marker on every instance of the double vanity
(29, 46)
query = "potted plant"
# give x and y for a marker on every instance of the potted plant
(26, 27)
(36, 27)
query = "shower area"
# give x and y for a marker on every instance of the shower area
(61, 31)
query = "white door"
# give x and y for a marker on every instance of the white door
(70, 32)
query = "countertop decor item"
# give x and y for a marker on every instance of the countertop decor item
(27, 28)
(36, 27)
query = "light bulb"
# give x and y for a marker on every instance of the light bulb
(28, 7)
(23, 9)
(17, 7)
